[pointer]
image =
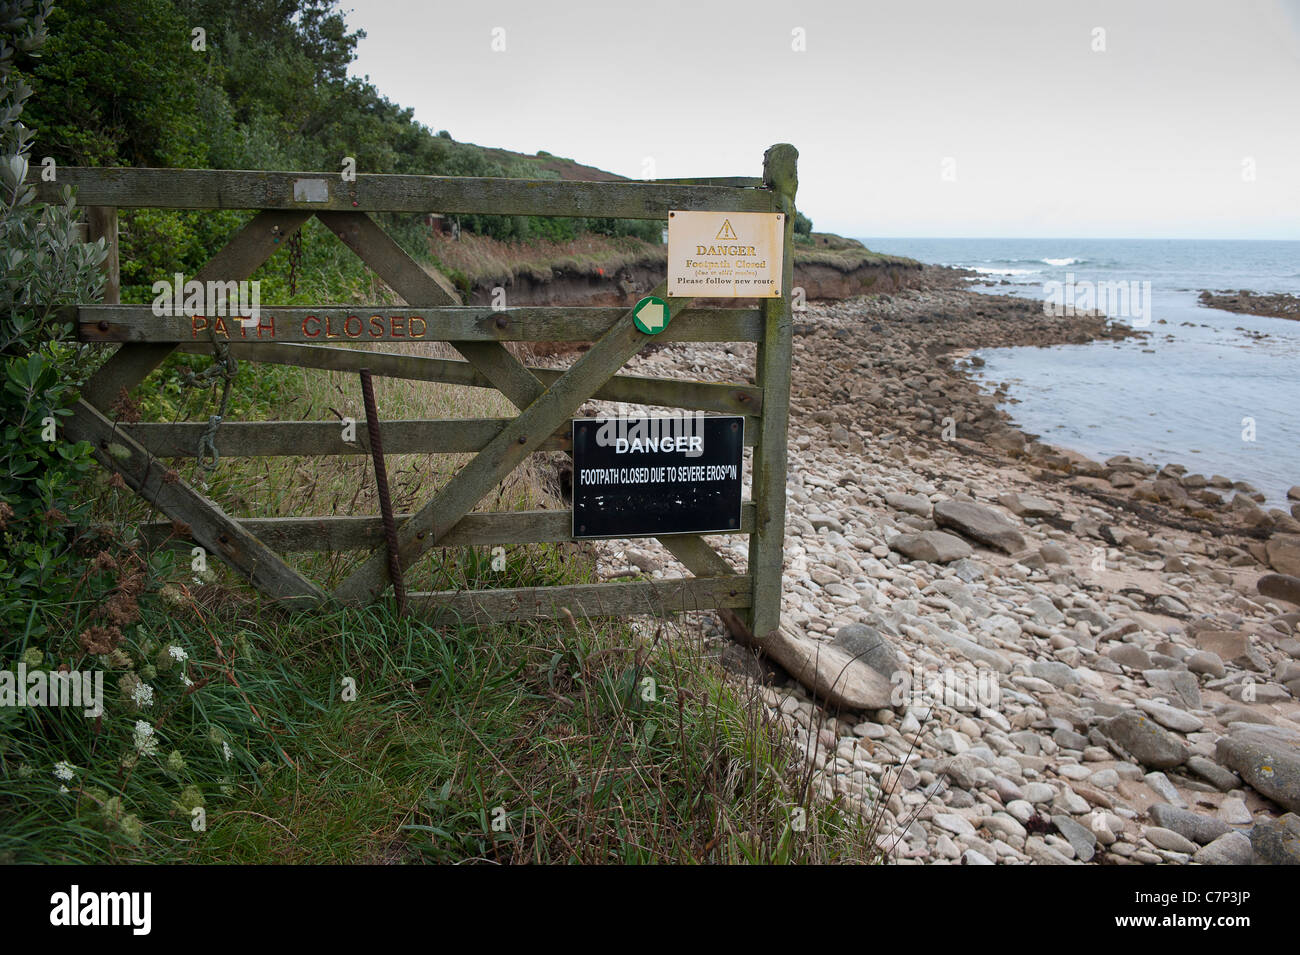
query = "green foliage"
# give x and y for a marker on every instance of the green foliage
(177, 732)
(802, 224)
(46, 266)
(121, 84)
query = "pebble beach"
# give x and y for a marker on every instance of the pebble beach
(1003, 652)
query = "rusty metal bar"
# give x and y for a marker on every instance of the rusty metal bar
(381, 481)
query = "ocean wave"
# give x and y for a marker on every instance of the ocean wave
(999, 270)
(1060, 262)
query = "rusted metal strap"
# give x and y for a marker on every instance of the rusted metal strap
(381, 481)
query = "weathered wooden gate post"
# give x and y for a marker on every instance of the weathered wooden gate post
(101, 223)
(772, 375)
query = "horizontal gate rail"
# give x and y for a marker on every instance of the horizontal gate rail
(260, 439)
(399, 323)
(724, 397)
(300, 535)
(323, 192)
(657, 597)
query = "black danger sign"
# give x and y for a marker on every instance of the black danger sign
(643, 477)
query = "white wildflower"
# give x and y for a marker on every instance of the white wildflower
(64, 770)
(178, 653)
(225, 750)
(142, 695)
(146, 744)
(186, 679)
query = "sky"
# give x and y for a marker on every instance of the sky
(993, 118)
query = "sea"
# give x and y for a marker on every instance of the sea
(1215, 391)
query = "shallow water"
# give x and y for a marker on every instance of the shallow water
(1212, 390)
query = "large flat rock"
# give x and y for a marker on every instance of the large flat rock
(1150, 743)
(981, 524)
(935, 547)
(1284, 554)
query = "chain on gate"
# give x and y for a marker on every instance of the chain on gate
(225, 367)
(295, 261)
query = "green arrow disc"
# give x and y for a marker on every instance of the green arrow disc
(651, 314)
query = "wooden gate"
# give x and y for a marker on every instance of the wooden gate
(546, 399)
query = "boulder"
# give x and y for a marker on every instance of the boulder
(981, 524)
(1082, 840)
(1026, 505)
(1280, 587)
(1232, 647)
(1284, 554)
(1180, 684)
(1270, 767)
(1231, 848)
(1150, 743)
(934, 547)
(911, 503)
(1190, 825)
(870, 647)
(1277, 842)
(1053, 553)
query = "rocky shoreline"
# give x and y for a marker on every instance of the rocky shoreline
(1016, 655)
(1274, 305)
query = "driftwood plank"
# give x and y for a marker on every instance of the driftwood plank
(292, 535)
(209, 525)
(408, 279)
(259, 439)
(653, 597)
(237, 260)
(243, 189)
(469, 326)
(772, 374)
(520, 438)
(719, 396)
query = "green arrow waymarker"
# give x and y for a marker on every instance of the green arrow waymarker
(651, 314)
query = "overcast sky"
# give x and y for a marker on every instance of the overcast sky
(963, 118)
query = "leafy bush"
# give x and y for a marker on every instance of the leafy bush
(46, 266)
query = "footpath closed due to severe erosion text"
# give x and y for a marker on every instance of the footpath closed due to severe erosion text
(641, 476)
(698, 472)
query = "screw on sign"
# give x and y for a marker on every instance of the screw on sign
(651, 315)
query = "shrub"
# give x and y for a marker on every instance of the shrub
(46, 265)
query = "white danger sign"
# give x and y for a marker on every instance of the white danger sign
(725, 254)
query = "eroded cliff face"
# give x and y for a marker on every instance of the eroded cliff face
(627, 284)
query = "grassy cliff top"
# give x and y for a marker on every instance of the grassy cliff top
(845, 255)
